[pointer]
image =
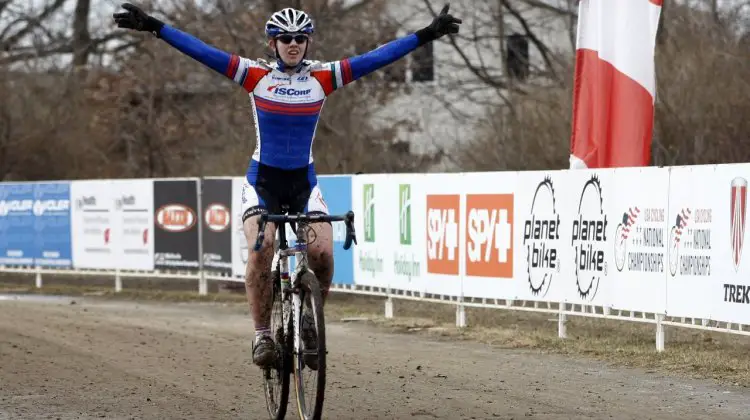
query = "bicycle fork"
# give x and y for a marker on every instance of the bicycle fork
(296, 303)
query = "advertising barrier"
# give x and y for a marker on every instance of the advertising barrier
(664, 241)
(134, 222)
(94, 225)
(337, 193)
(639, 239)
(216, 212)
(540, 250)
(35, 224)
(176, 221)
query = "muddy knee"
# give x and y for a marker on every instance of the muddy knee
(258, 261)
(320, 259)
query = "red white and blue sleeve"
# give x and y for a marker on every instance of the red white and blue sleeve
(337, 74)
(242, 71)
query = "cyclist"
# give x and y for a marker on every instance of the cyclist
(287, 96)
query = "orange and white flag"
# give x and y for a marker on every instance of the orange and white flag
(614, 85)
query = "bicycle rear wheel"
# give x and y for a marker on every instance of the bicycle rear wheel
(309, 384)
(276, 379)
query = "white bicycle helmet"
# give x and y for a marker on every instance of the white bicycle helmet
(289, 20)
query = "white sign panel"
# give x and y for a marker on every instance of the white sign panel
(134, 223)
(404, 234)
(372, 203)
(588, 197)
(730, 263)
(692, 284)
(95, 230)
(542, 247)
(638, 280)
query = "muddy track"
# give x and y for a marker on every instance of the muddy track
(122, 360)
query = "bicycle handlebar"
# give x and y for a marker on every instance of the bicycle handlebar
(282, 219)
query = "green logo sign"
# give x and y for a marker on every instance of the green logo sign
(404, 214)
(368, 203)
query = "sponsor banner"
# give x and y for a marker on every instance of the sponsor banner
(445, 239)
(588, 196)
(134, 223)
(638, 275)
(693, 222)
(542, 237)
(337, 193)
(370, 204)
(35, 224)
(216, 200)
(17, 234)
(391, 227)
(93, 224)
(488, 223)
(52, 224)
(730, 285)
(239, 243)
(176, 224)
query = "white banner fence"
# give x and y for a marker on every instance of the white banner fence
(655, 245)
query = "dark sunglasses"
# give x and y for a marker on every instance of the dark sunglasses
(286, 39)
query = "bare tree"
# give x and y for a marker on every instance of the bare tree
(703, 89)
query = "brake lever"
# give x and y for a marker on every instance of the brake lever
(261, 234)
(351, 235)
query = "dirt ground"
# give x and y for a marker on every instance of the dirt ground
(121, 360)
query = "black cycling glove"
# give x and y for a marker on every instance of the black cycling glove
(441, 25)
(137, 19)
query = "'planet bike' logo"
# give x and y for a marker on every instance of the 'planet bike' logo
(589, 239)
(541, 235)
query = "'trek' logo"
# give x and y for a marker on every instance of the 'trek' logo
(175, 218)
(737, 218)
(442, 233)
(489, 235)
(217, 217)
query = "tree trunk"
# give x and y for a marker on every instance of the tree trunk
(81, 35)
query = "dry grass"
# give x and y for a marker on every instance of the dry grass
(689, 353)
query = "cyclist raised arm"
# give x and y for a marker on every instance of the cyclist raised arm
(287, 97)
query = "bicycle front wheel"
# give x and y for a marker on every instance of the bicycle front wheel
(310, 363)
(276, 378)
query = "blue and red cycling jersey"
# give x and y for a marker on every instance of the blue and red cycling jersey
(286, 107)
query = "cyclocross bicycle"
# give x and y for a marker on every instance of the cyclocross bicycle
(292, 295)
